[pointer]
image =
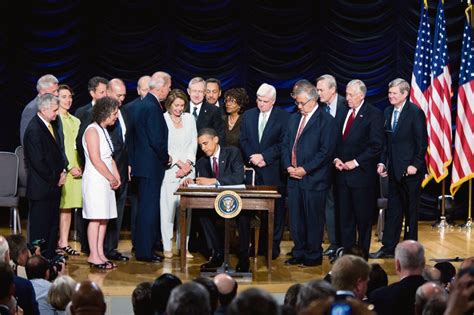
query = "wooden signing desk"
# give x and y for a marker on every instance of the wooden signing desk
(253, 198)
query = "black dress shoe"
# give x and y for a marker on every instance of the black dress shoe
(160, 255)
(117, 257)
(243, 265)
(311, 263)
(212, 264)
(380, 254)
(294, 261)
(329, 252)
(153, 259)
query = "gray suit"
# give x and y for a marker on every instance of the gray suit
(28, 113)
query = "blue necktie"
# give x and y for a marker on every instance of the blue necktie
(395, 120)
(328, 109)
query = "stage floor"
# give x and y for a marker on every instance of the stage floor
(447, 243)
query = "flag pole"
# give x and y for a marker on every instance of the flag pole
(468, 223)
(443, 223)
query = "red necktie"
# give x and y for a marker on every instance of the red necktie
(215, 167)
(348, 124)
(298, 134)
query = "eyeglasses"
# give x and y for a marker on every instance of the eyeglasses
(303, 104)
(231, 100)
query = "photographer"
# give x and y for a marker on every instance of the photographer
(19, 252)
(38, 271)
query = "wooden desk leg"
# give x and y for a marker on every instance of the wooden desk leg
(271, 219)
(182, 235)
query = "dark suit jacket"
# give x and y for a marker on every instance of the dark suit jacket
(407, 144)
(269, 147)
(341, 106)
(44, 160)
(28, 113)
(26, 296)
(364, 143)
(149, 136)
(84, 114)
(397, 298)
(121, 146)
(210, 117)
(314, 150)
(231, 167)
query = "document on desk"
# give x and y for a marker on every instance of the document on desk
(242, 186)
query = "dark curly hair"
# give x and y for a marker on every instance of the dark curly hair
(239, 95)
(175, 94)
(103, 108)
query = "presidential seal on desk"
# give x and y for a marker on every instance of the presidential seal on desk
(228, 204)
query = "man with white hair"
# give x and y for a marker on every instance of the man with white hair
(46, 84)
(46, 174)
(261, 135)
(149, 158)
(399, 297)
(306, 155)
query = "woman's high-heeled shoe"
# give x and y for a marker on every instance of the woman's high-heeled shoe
(189, 255)
(168, 254)
(103, 266)
(111, 264)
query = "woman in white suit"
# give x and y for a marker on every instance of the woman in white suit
(182, 146)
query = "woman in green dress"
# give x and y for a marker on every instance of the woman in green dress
(71, 194)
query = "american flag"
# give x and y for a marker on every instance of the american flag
(439, 104)
(420, 78)
(463, 165)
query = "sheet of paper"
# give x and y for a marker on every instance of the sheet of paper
(242, 186)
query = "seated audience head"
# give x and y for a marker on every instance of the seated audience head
(355, 93)
(105, 111)
(327, 88)
(312, 291)
(461, 293)
(409, 258)
(161, 290)
(236, 100)
(252, 302)
(7, 287)
(208, 141)
(141, 299)
(467, 263)
(211, 289)
(213, 90)
(61, 291)
(176, 102)
(351, 273)
(436, 305)
(97, 87)
(431, 274)
(426, 292)
(47, 84)
(37, 267)
(18, 247)
(189, 298)
(266, 97)
(143, 86)
(48, 107)
(4, 251)
(305, 96)
(377, 279)
(160, 85)
(447, 271)
(226, 288)
(196, 90)
(291, 296)
(88, 299)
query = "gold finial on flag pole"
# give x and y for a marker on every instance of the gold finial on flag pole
(425, 3)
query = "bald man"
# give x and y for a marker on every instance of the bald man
(425, 293)
(88, 299)
(119, 135)
(227, 290)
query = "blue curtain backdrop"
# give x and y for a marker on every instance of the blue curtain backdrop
(243, 43)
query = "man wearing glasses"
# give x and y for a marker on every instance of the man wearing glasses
(306, 155)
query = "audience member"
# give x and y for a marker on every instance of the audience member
(87, 299)
(189, 298)
(350, 276)
(236, 100)
(211, 289)
(329, 306)
(7, 288)
(71, 196)
(18, 247)
(467, 263)
(377, 278)
(436, 305)
(431, 274)
(253, 301)
(60, 293)
(141, 299)
(291, 296)
(312, 291)
(161, 290)
(448, 272)
(460, 299)
(226, 290)
(425, 293)
(399, 297)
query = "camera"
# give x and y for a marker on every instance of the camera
(340, 308)
(34, 244)
(55, 266)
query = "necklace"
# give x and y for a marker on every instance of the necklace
(107, 138)
(232, 123)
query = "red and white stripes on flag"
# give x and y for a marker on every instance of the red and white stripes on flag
(439, 105)
(463, 164)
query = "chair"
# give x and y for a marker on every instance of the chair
(22, 172)
(8, 187)
(382, 203)
(255, 221)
